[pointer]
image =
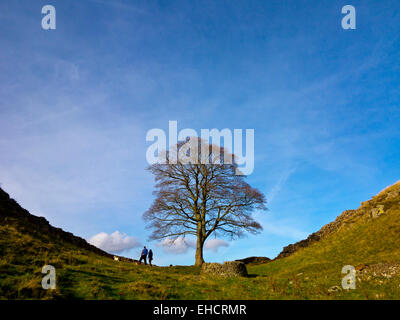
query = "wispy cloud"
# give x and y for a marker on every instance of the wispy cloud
(178, 246)
(183, 245)
(119, 5)
(215, 244)
(284, 230)
(272, 193)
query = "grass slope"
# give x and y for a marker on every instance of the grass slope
(369, 236)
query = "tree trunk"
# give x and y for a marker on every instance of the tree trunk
(199, 251)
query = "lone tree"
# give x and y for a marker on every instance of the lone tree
(201, 198)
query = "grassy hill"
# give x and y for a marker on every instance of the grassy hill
(367, 238)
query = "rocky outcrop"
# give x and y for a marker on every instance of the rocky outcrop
(291, 248)
(377, 211)
(378, 270)
(227, 269)
(371, 209)
(254, 260)
(12, 213)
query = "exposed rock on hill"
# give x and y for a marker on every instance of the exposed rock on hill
(379, 270)
(371, 209)
(254, 260)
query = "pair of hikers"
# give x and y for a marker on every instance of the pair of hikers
(144, 255)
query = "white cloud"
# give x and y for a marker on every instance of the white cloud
(115, 242)
(215, 244)
(179, 245)
(182, 245)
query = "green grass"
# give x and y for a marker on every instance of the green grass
(307, 274)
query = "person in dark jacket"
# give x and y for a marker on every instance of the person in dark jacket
(150, 257)
(143, 256)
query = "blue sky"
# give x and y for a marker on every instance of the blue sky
(76, 103)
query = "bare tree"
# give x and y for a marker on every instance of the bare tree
(202, 199)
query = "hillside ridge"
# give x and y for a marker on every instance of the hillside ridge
(12, 213)
(370, 209)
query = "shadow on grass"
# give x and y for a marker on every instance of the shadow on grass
(100, 284)
(91, 275)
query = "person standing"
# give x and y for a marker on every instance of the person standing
(150, 257)
(143, 256)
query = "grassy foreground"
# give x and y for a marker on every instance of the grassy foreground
(313, 272)
(307, 274)
(90, 277)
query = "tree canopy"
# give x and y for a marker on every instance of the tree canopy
(201, 199)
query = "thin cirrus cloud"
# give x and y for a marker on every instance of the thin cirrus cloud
(179, 246)
(182, 245)
(115, 242)
(215, 244)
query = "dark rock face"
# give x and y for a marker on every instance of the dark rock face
(228, 269)
(12, 213)
(254, 260)
(291, 248)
